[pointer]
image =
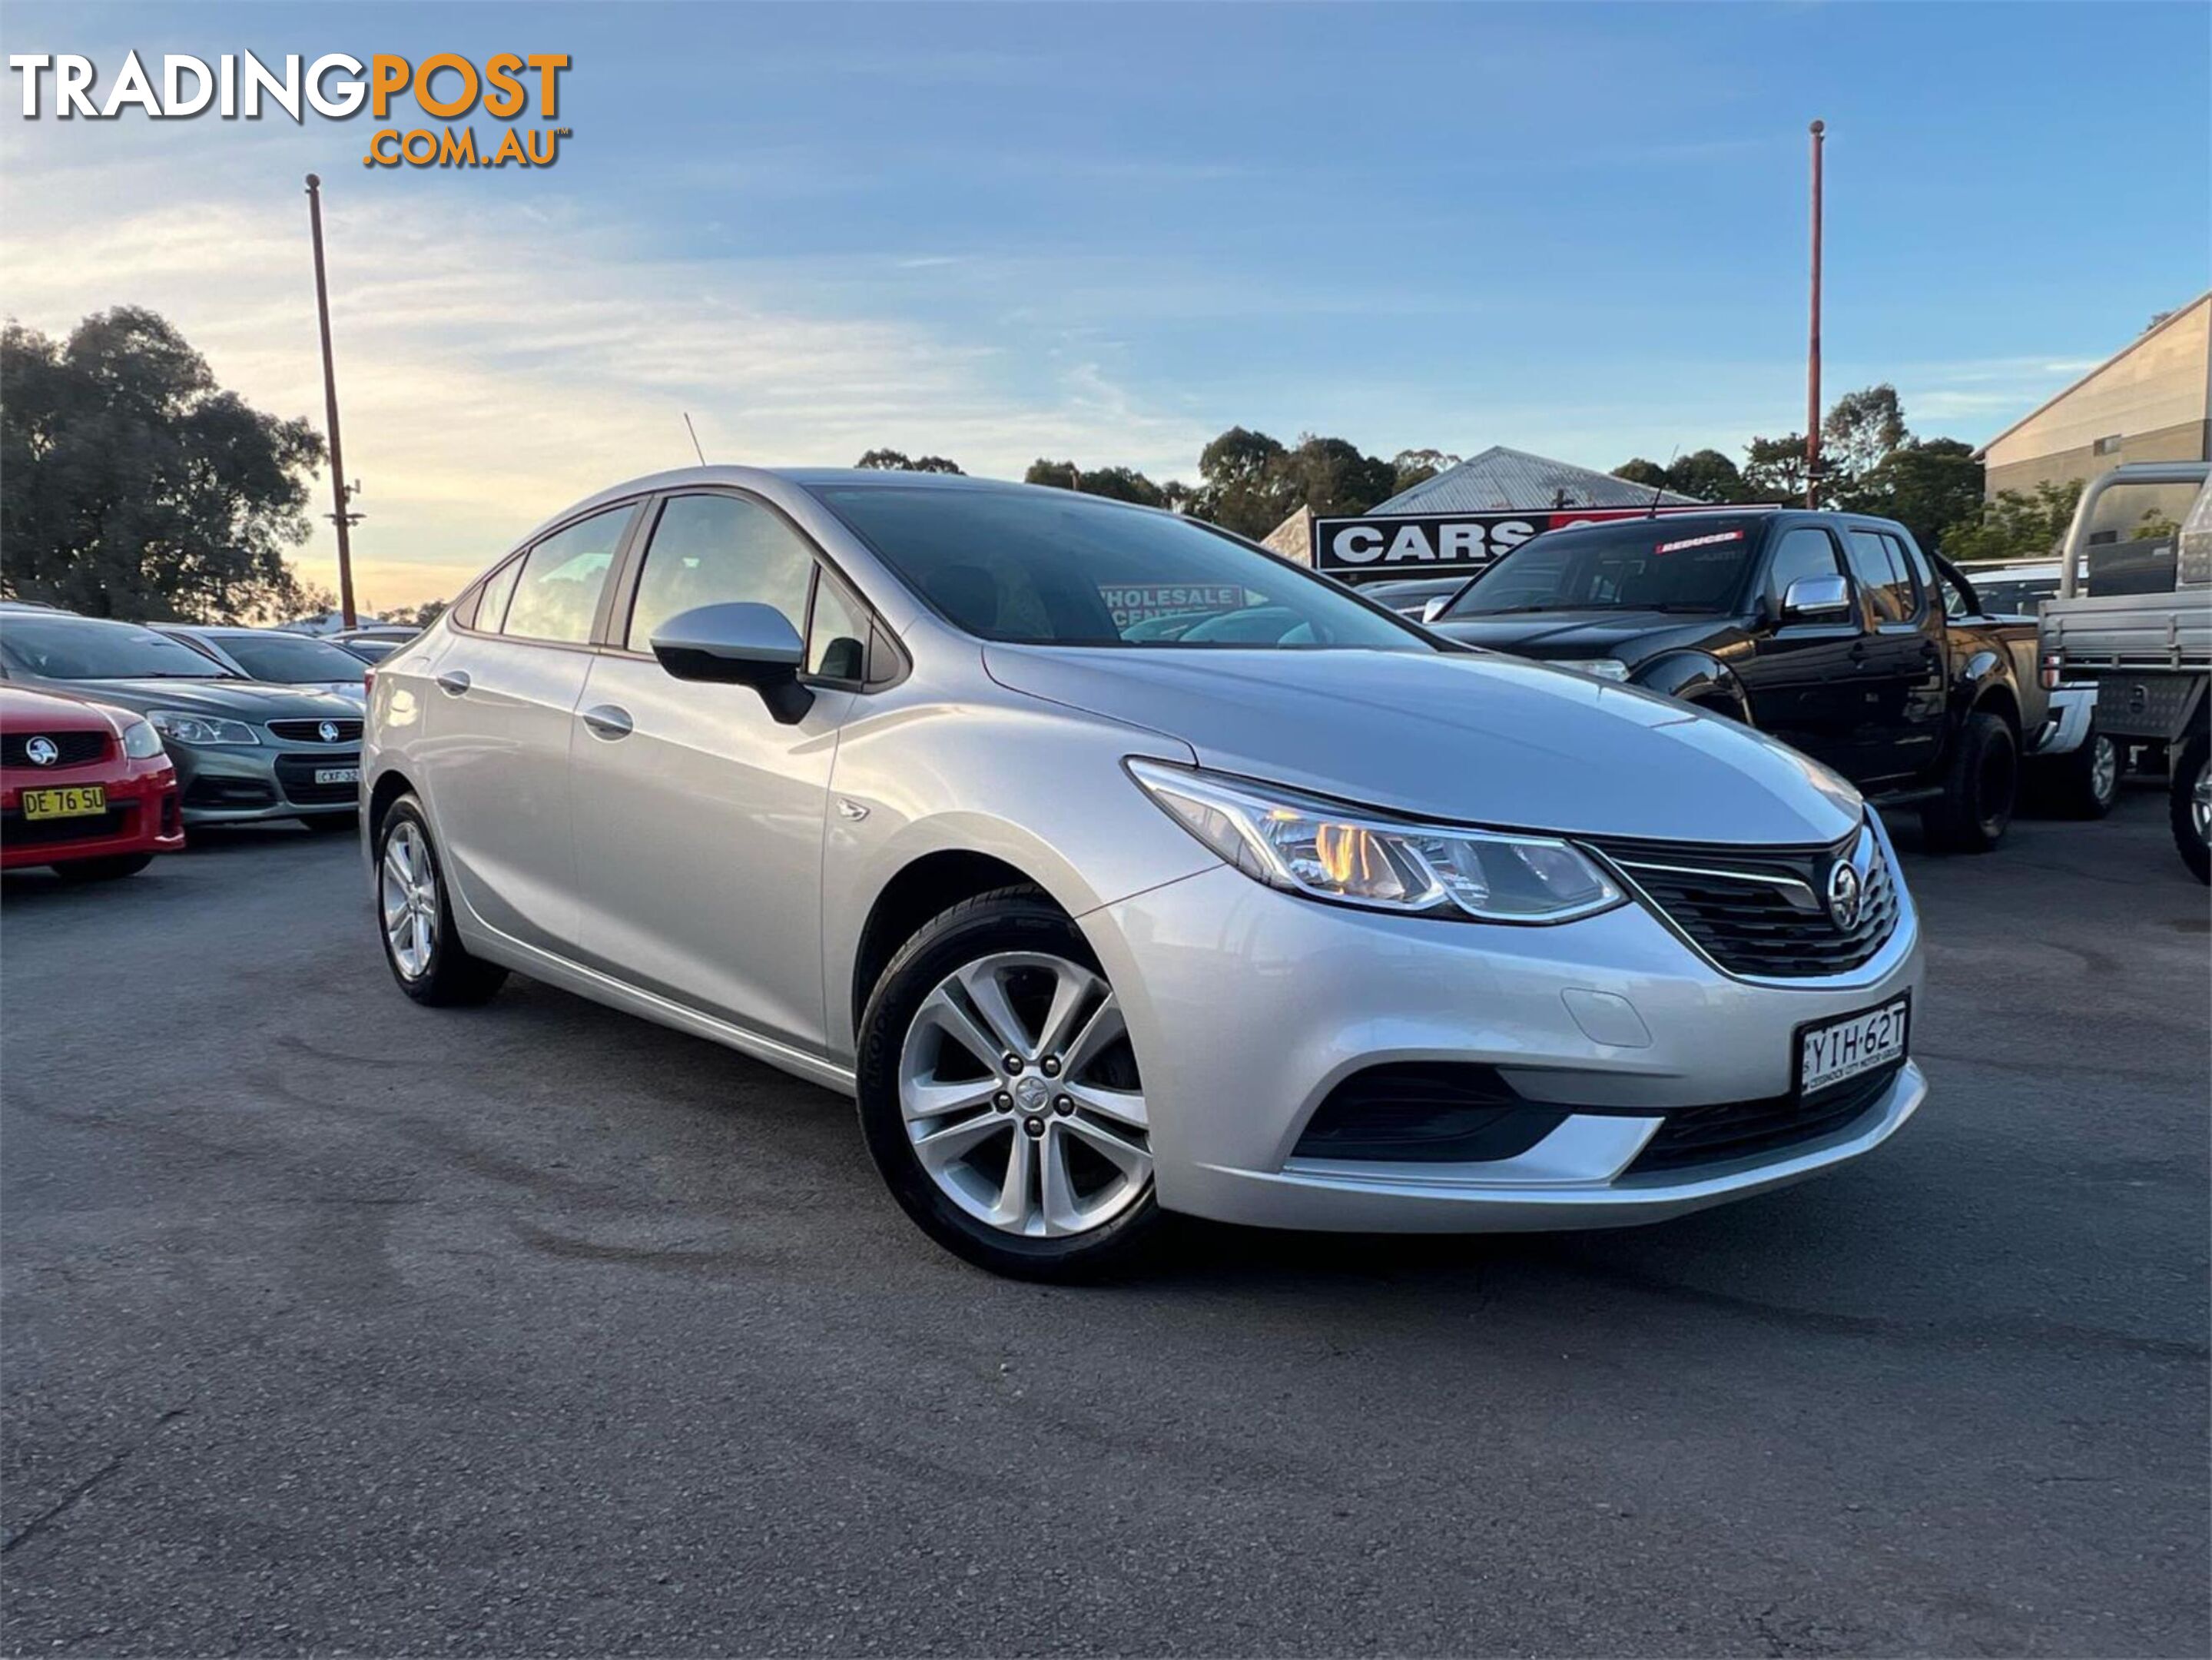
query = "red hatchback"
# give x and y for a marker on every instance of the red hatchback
(83, 788)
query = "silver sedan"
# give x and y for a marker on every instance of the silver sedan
(882, 779)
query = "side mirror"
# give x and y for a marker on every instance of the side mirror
(739, 644)
(1435, 608)
(1817, 599)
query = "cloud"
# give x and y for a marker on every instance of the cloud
(496, 364)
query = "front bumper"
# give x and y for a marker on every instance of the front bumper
(1613, 1013)
(142, 814)
(241, 784)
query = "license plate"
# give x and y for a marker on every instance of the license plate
(337, 774)
(1833, 1052)
(74, 801)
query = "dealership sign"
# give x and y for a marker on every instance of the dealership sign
(1446, 543)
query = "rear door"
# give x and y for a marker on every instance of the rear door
(699, 820)
(1801, 678)
(498, 714)
(1901, 674)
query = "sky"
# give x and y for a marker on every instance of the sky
(1108, 233)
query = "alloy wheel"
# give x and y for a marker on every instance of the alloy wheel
(2200, 803)
(1019, 1093)
(407, 888)
(2103, 768)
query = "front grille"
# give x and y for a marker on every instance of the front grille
(311, 731)
(1426, 1112)
(21, 832)
(1764, 911)
(74, 748)
(296, 774)
(1744, 1129)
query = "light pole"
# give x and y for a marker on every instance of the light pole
(343, 517)
(1813, 343)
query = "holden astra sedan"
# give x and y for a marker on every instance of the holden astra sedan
(85, 789)
(1328, 925)
(243, 751)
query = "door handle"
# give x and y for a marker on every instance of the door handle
(453, 682)
(609, 722)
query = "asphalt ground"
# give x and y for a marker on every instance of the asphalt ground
(331, 1324)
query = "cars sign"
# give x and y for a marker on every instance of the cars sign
(1442, 544)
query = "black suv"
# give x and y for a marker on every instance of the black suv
(1828, 630)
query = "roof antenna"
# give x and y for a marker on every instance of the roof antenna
(1658, 490)
(694, 431)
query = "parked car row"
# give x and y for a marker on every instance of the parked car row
(118, 737)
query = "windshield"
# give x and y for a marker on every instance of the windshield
(84, 648)
(1636, 564)
(371, 650)
(289, 660)
(1051, 567)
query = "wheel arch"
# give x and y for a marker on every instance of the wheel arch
(925, 887)
(390, 785)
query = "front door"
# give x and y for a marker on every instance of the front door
(698, 817)
(1801, 678)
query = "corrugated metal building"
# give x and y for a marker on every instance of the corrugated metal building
(2151, 401)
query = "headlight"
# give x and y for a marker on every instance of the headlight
(140, 741)
(1606, 668)
(182, 727)
(1326, 851)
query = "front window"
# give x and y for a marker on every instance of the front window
(289, 660)
(1051, 567)
(1636, 564)
(82, 648)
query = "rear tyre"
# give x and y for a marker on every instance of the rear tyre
(1980, 788)
(2086, 783)
(414, 917)
(999, 1094)
(103, 870)
(2189, 804)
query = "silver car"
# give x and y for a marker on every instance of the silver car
(1340, 928)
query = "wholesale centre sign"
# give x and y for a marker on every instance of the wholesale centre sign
(1446, 544)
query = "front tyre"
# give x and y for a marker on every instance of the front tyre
(2189, 804)
(1000, 1096)
(1979, 788)
(2086, 783)
(415, 915)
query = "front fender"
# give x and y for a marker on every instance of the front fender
(1039, 787)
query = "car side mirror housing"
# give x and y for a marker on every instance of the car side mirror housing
(738, 643)
(1435, 608)
(1817, 599)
